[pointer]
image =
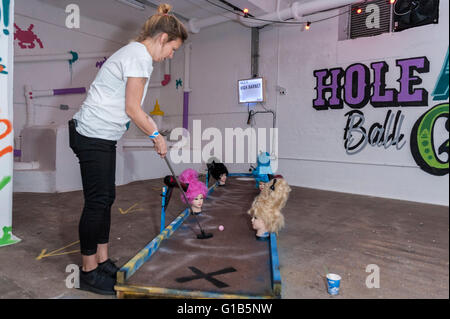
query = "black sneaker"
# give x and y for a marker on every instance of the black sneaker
(97, 281)
(109, 268)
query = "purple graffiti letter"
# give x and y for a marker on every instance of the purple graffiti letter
(335, 87)
(357, 85)
(382, 97)
(408, 96)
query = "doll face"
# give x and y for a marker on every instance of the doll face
(258, 225)
(197, 203)
(261, 186)
(223, 179)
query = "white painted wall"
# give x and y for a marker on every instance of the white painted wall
(49, 26)
(220, 56)
(92, 36)
(311, 147)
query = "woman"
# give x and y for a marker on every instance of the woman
(115, 98)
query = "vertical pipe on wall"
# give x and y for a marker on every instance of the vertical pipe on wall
(167, 73)
(187, 89)
(186, 110)
(29, 108)
(255, 52)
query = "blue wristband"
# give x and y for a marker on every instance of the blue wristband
(154, 135)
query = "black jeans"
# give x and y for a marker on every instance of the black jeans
(97, 159)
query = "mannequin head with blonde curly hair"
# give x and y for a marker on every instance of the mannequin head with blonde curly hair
(267, 206)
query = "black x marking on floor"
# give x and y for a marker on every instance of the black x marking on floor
(201, 275)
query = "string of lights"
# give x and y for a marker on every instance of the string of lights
(244, 14)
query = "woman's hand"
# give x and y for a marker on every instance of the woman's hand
(160, 146)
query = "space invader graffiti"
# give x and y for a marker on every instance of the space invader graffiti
(27, 37)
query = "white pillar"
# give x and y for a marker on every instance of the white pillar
(6, 128)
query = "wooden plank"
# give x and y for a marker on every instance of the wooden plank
(142, 291)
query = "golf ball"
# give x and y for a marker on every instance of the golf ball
(221, 228)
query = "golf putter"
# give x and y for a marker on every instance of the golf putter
(203, 235)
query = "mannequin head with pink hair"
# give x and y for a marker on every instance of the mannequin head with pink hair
(188, 175)
(196, 192)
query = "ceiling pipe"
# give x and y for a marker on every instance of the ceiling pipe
(296, 11)
(194, 25)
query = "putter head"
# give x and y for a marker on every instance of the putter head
(204, 235)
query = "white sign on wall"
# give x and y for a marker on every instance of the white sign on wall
(251, 90)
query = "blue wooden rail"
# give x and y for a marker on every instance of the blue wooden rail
(241, 174)
(136, 262)
(275, 266)
(163, 212)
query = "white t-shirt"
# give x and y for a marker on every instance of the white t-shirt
(102, 114)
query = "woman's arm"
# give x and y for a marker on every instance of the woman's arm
(133, 97)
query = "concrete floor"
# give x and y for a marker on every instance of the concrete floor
(344, 233)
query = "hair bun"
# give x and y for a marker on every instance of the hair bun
(164, 8)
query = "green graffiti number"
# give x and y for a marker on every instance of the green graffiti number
(422, 142)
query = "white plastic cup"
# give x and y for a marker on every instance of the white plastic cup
(333, 282)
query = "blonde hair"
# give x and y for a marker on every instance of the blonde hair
(268, 204)
(163, 22)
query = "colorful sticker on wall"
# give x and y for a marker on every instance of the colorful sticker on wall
(179, 83)
(4, 16)
(2, 68)
(27, 38)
